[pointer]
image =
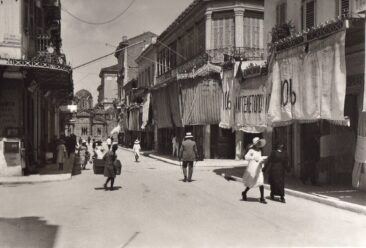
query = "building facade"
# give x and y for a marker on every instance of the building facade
(126, 53)
(316, 55)
(34, 83)
(188, 94)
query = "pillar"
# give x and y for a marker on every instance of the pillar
(239, 145)
(239, 27)
(208, 30)
(156, 139)
(297, 148)
(207, 141)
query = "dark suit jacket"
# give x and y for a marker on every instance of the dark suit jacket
(188, 150)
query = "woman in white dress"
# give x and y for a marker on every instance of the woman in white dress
(253, 175)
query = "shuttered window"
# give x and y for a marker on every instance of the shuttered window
(342, 7)
(281, 13)
(223, 27)
(253, 29)
(308, 13)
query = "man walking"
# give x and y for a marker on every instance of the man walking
(188, 153)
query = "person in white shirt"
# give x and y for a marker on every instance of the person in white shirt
(109, 142)
(174, 146)
(136, 149)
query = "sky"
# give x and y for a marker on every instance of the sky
(83, 42)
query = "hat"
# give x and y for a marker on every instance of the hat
(83, 141)
(137, 141)
(188, 135)
(258, 142)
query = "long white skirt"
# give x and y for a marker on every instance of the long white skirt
(253, 175)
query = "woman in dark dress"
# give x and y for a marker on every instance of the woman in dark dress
(278, 164)
(109, 168)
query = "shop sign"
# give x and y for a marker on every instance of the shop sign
(312, 85)
(251, 108)
(10, 37)
(230, 89)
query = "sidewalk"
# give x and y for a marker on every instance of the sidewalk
(48, 173)
(343, 197)
(214, 163)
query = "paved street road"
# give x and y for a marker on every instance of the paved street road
(154, 208)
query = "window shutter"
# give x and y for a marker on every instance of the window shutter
(344, 6)
(310, 14)
(337, 3)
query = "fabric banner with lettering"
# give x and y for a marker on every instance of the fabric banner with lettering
(230, 89)
(250, 110)
(309, 86)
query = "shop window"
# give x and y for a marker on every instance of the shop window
(281, 13)
(308, 8)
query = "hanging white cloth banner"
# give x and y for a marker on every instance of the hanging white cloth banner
(309, 86)
(145, 111)
(250, 110)
(230, 89)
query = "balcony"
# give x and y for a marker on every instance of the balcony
(220, 55)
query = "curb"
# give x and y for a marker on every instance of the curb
(333, 202)
(35, 179)
(319, 199)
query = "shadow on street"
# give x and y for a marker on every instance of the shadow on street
(27, 232)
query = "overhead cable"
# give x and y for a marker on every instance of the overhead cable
(98, 23)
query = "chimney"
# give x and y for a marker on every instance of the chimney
(124, 38)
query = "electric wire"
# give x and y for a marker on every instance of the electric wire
(99, 23)
(108, 54)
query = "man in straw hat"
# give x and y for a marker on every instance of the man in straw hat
(253, 176)
(188, 153)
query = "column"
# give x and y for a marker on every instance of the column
(297, 148)
(156, 139)
(207, 141)
(239, 27)
(208, 30)
(239, 145)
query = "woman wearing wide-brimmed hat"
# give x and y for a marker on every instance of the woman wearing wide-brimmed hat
(136, 149)
(253, 176)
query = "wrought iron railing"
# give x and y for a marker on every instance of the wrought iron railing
(220, 55)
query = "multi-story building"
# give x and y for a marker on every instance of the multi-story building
(108, 89)
(188, 94)
(34, 81)
(147, 68)
(126, 53)
(316, 72)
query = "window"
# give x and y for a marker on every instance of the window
(84, 131)
(99, 131)
(281, 13)
(308, 14)
(253, 29)
(223, 27)
(342, 7)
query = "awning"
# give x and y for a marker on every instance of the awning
(200, 72)
(201, 101)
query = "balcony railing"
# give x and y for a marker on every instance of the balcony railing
(247, 53)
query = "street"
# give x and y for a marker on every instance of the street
(152, 207)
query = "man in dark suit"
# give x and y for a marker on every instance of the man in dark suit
(188, 153)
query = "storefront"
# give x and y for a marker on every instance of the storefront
(31, 95)
(315, 104)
